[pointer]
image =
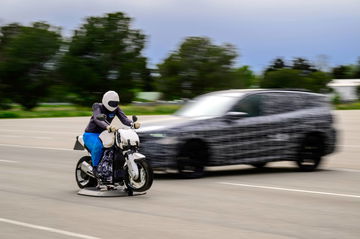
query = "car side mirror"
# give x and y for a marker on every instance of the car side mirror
(232, 115)
(101, 117)
(134, 118)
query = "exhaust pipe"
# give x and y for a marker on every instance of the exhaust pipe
(87, 168)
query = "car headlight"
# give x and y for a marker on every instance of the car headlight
(163, 138)
(167, 140)
(158, 135)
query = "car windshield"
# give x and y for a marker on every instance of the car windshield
(208, 105)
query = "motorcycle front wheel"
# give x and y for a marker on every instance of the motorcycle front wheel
(145, 178)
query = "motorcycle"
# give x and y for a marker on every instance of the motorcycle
(121, 167)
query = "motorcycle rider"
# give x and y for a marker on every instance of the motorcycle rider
(110, 108)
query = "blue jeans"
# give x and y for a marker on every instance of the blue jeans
(94, 144)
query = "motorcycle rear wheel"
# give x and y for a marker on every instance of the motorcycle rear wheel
(82, 179)
(145, 179)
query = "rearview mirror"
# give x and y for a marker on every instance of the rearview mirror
(101, 117)
(134, 118)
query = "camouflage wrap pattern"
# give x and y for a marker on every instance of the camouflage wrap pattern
(276, 135)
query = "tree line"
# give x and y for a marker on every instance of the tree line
(38, 64)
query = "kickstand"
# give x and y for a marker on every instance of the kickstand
(129, 192)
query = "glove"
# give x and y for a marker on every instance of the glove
(137, 125)
(111, 128)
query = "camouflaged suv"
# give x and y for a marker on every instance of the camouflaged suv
(242, 127)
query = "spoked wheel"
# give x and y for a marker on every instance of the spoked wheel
(310, 154)
(82, 179)
(145, 179)
(192, 160)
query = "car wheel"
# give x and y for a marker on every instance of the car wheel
(310, 153)
(192, 159)
(259, 165)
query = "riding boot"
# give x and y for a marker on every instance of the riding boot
(95, 172)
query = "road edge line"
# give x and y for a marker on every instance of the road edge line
(291, 190)
(49, 229)
(34, 147)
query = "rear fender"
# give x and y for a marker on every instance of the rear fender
(79, 143)
(320, 135)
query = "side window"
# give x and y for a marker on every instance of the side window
(311, 101)
(297, 101)
(277, 103)
(250, 105)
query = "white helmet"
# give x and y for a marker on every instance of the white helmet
(111, 100)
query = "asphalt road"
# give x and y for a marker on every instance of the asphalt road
(38, 193)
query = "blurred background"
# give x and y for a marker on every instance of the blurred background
(58, 57)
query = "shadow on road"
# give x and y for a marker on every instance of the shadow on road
(237, 172)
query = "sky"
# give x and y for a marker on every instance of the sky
(261, 30)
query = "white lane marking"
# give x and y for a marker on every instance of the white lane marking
(37, 131)
(349, 146)
(291, 190)
(49, 229)
(25, 136)
(40, 137)
(34, 147)
(8, 161)
(77, 132)
(347, 170)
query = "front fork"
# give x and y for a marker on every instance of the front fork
(130, 157)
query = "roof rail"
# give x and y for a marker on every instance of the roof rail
(291, 89)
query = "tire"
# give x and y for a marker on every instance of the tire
(310, 154)
(82, 179)
(192, 160)
(145, 180)
(259, 165)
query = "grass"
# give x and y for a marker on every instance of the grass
(348, 106)
(45, 111)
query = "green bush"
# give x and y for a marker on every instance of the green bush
(73, 111)
(336, 99)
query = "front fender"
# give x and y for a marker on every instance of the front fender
(138, 156)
